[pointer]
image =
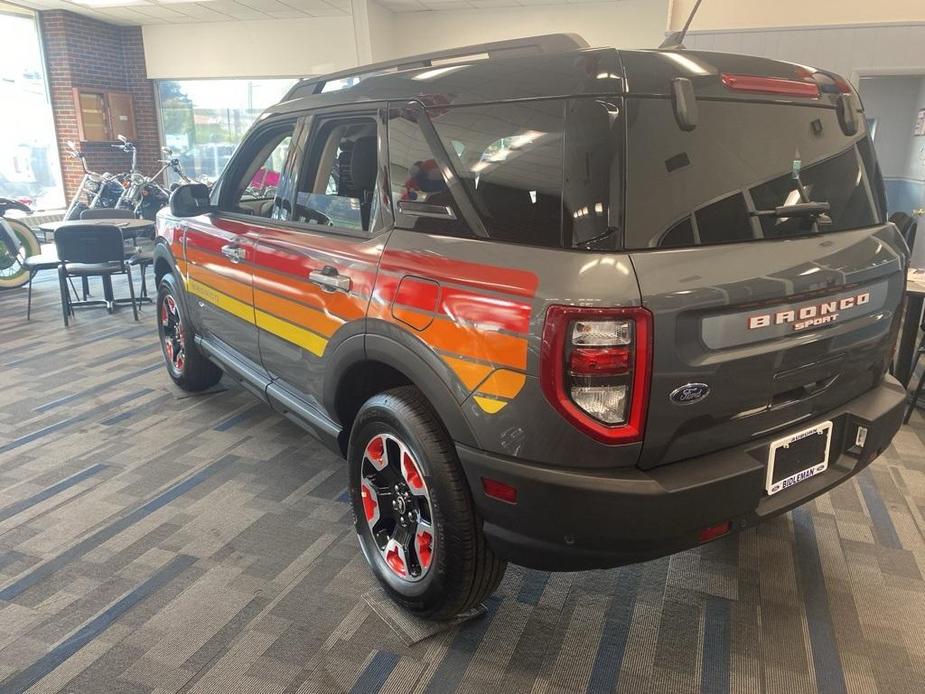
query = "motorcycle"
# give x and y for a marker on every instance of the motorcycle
(143, 194)
(17, 242)
(95, 189)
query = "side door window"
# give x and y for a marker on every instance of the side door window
(314, 274)
(338, 180)
(258, 187)
(221, 247)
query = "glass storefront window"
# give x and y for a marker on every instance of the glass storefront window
(204, 120)
(29, 167)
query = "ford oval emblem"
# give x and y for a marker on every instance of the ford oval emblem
(689, 393)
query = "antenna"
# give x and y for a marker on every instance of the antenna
(676, 39)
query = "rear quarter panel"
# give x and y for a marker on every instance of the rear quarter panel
(477, 309)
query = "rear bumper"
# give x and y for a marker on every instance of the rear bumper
(568, 519)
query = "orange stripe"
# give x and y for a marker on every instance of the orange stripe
(492, 347)
(297, 313)
(234, 289)
(470, 373)
(342, 305)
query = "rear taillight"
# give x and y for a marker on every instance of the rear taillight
(595, 370)
(770, 85)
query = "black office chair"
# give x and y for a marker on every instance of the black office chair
(33, 263)
(92, 250)
(907, 226)
(916, 393)
(142, 256)
(106, 213)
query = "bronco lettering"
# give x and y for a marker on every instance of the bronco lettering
(809, 316)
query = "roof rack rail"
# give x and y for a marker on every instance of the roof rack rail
(530, 45)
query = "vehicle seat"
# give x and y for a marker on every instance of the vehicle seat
(364, 167)
(516, 217)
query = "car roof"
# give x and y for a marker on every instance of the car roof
(559, 73)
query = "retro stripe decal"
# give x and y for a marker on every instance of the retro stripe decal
(475, 317)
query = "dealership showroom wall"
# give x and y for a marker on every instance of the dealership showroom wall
(462, 345)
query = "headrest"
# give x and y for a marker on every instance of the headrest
(364, 163)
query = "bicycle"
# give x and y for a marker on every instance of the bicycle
(13, 271)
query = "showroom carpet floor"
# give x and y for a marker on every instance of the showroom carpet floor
(155, 541)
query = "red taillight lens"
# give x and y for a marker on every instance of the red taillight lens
(595, 369)
(769, 85)
(586, 361)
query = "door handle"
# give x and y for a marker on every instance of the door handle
(328, 279)
(233, 252)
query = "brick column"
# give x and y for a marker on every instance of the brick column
(87, 53)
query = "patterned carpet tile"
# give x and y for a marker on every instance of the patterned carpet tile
(153, 541)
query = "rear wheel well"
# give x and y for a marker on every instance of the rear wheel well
(359, 384)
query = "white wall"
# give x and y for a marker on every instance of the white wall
(269, 48)
(739, 14)
(623, 24)
(892, 101)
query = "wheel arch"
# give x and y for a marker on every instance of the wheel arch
(360, 371)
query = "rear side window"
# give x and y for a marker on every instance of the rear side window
(542, 173)
(708, 185)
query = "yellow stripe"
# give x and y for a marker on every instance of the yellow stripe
(292, 333)
(490, 405)
(503, 383)
(237, 308)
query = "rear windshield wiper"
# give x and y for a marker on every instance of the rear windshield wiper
(817, 211)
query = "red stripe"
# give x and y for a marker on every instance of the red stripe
(417, 293)
(486, 311)
(509, 280)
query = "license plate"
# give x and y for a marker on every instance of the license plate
(798, 457)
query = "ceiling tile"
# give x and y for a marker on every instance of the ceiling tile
(236, 10)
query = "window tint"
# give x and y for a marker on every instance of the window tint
(724, 221)
(740, 157)
(509, 158)
(836, 180)
(337, 185)
(259, 176)
(420, 194)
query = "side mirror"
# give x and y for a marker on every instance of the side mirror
(190, 200)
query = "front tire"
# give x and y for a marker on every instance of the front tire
(188, 367)
(414, 515)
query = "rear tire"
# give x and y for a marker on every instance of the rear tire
(188, 367)
(458, 570)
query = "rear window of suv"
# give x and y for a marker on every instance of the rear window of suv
(703, 187)
(540, 172)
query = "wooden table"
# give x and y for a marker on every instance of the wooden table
(912, 319)
(131, 228)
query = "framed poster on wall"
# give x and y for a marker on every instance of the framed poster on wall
(920, 123)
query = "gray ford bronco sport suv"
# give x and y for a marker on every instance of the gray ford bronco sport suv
(567, 307)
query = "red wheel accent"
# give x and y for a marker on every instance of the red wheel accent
(395, 561)
(168, 347)
(370, 503)
(424, 545)
(179, 362)
(165, 315)
(411, 473)
(376, 449)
